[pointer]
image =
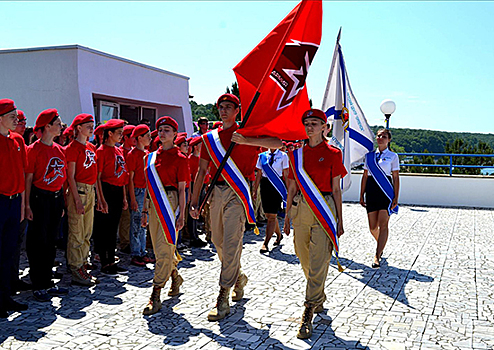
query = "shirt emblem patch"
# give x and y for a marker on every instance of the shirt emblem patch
(119, 165)
(89, 159)
(53, 170)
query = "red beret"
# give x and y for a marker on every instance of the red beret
(114, 124)
(68, 131)
(99, 130)
(179, 140)
(20, 115)
(194, 141)
(128, 129)
(82, 119)
(167, 121)
(6, 106)
(154, 133)
(139, 130)
(217, 124)
(315, 113)
(228, 97)
(45, 117)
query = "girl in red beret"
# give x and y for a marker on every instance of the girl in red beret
(314, 182)
(45, 176)
(172, 168)
(82, 175)
(111, 196)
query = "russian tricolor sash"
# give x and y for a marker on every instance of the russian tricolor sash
(382, 180)
(232, 175)
(162, 204)
(273, 176)
(314, 198)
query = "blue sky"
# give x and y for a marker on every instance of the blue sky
(434, 59)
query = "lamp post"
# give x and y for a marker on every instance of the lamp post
(388, 107)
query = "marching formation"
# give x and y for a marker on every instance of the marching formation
(117, 183)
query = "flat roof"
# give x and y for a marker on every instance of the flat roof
(88, 49)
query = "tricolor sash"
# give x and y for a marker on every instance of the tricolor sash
(230, 173)
(273, 176)
(382, 180)
(162, 204)
(314, 198)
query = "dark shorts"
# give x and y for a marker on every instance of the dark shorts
(270, 197)
(375, 198)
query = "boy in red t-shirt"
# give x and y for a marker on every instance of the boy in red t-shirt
(13, 162)
(137, 191)
(82, 175)
(45, 176)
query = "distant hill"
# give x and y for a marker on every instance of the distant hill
(418, 140)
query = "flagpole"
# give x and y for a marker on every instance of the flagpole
(251, 105)
(331, 71)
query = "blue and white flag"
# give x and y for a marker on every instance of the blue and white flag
(351, 133)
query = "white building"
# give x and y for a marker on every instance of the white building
(75, 79)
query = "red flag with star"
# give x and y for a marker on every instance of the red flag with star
(277, 68)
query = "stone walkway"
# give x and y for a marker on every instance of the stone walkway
(435, 290)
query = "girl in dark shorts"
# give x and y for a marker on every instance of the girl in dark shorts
(376, 202)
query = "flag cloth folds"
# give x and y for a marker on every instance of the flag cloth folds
(277, 68)
(351, 133)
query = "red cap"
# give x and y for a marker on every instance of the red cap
(68, 131)
(228, 97)
(114, 124)
(217, 124)
(20, 115)
(315, 113)
(154, 133)
(82, 119)
(6, 106)
(99, 130)
(139, 130)
(194, 141)
(45, 117)
(179, 140)
(167, 121)
(128, 129)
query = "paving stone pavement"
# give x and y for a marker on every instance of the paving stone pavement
(433, 291)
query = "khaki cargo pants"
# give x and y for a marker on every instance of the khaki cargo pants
(312, 246)
(227, 228)
(80, 226)
(166, 260)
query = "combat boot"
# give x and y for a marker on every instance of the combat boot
(222, 307)
(154, 304)
(177, 281)
(238, 290)
(305, 330)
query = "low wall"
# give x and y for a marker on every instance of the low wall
(448, 191)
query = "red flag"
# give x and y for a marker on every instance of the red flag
(278, 68)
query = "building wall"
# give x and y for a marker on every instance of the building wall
(454, 191)
(37, 80)
(66, 78)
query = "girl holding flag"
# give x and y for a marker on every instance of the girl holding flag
(381, 185)
(314, 206)
(167, 172)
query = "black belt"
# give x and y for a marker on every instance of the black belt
(327, 193)
(14, 196)
(171, 188)
(54, 194)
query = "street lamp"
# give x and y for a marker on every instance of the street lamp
(388, 107)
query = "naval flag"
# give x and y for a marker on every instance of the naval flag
(351, 133)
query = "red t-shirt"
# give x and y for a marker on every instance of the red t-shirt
(322, 163)
(193, 166)
(135, 163)
(13, 162)
(84, 157)
(172, 166)
(111, 165)
(47, 164)
(245, 157)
